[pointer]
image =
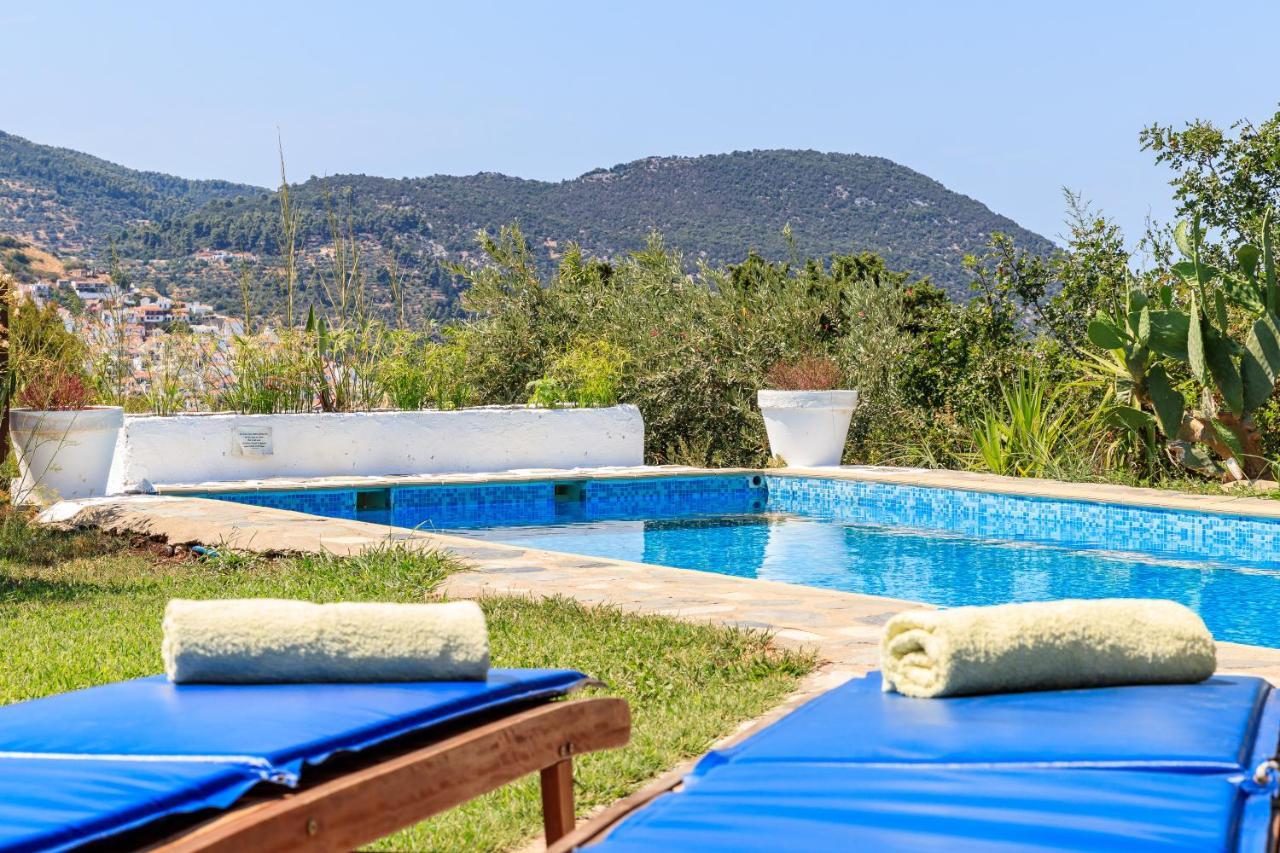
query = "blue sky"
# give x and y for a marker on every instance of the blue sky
(1007, 102)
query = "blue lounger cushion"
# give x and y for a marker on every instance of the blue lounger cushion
(1207, 725)
(139, 750)
(55, 805)
(1147, 767)
(805, 807)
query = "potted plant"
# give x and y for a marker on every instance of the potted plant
(63, 444)
(805, 415)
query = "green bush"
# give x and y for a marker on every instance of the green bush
(588, 375)
(697, 346)
(416, 372)
(273, 374)
(1030, 431)
(401, 372)
(44, 354)
(1220, 325)
(448, 385)
(700, 346)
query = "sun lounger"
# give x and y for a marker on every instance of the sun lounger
(285, 766)
(1163, 767)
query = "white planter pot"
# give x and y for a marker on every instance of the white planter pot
(63, 454)
(807, 428)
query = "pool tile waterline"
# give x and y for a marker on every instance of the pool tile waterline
(478, 505)
(1077, 524)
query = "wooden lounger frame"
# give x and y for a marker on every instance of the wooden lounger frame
(398, 787)
(600, 825)
(604, 822)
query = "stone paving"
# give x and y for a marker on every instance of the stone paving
(842, 627)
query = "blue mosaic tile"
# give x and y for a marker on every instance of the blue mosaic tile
(326, 502)
(657, 497)
(478, 494)
(447, 507)
(1077, 524)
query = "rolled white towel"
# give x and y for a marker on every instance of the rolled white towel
(1053, 645)
(266, 640)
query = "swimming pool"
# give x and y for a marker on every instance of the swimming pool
(942, 546)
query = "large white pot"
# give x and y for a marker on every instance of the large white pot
(807, 428)
(63, 454)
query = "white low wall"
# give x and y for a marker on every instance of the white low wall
(205, 448)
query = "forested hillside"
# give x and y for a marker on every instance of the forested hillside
(713, 208)
(74, 203)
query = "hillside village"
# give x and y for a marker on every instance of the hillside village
(143, 328)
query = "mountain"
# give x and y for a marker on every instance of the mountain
(714, 208)
(72, 203)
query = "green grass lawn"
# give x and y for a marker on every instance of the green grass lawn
(82, 609)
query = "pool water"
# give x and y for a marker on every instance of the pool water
(941, 546)
(1237, 603)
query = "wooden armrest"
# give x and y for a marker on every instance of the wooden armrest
(356, 808)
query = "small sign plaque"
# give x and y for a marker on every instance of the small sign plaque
(253, 441)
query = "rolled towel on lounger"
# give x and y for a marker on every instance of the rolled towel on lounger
(1053, 645)
(265, 640)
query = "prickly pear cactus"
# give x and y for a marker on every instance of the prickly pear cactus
(1226, 331)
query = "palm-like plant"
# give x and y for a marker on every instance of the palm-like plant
(1029, 432)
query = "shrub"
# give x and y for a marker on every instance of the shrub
(415, 372)
(810, 373)
(587, 375)
(272, 374)
(49, 363)
(1030, 432)
(59, 390)
(1220, 325)
(697, 346)
(448, 385)
(401, 372)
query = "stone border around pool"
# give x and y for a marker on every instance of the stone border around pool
(843, 627)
